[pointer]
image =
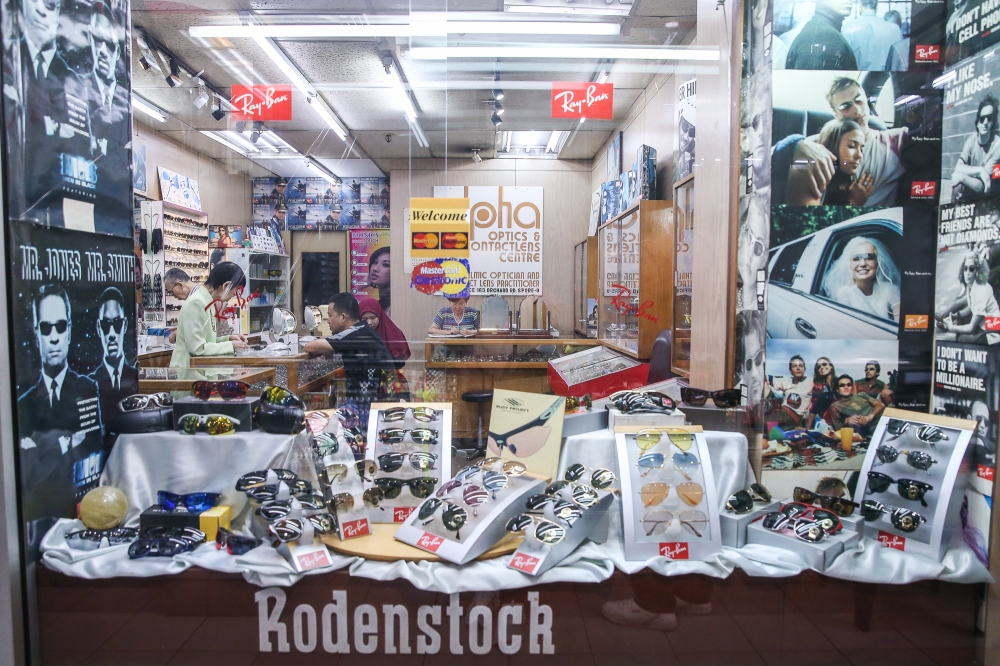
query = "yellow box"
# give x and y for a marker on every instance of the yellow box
(210, 521)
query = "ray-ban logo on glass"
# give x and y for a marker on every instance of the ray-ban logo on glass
(582, 99)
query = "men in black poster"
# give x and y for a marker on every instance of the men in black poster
(115, 378)
(59, 418)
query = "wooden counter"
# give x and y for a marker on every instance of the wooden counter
(299, 373)
(154, 380)
(456, 365)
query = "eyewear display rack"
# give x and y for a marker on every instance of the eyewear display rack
(398, 509)
(636, 277)
(946, 441)
(585, 287)
(181, 238)
(674, 525)
(268, 277)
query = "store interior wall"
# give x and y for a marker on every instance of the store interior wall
(650, 121)
(566, 215)
(314, 241)
(227, 198)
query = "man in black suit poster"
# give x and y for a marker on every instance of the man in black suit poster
(115, 378)
(59, 418)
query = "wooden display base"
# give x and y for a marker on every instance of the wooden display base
(380, 546)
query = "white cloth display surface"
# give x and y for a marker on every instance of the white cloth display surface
(591, 563)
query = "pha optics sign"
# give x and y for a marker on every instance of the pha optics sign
(575, 99)
(337, 628)
(262, 102)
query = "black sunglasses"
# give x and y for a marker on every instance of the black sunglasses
(907, 488)
(726, 398)
(888, 454)
(45, 327)
(118, 323)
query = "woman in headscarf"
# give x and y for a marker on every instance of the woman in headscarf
(373, 315)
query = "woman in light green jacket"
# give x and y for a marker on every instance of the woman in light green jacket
(196, 322)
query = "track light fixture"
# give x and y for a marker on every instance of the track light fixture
(173, 80)
(255, 134)
(498, 108)
(498, 94)
(144, 63)
(497, 120)
(476, 159)
(218, 112)
(202, 99)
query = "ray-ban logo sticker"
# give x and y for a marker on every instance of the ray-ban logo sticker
(313, 560)
(891, 540)
(525, 563)
(916, 322)
(927, 52)
(923, 189)
(356, 528)
(674, 550)
(430, 542)
(984, 472)
(992, 323)
(401, 513)
(995, 172)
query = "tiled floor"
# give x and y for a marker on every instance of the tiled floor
(200, 617)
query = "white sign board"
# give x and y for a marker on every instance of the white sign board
(684, 121)
(178, 189)
(505, 244)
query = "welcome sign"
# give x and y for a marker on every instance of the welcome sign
(505, 237)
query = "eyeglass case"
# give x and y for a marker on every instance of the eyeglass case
(241, 409)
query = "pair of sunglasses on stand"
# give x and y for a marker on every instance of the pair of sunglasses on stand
(212, 424)
(233, 543)
(656, 492)
(839, 505)
(724, 399)
(907, 488)
(273, 510)
(903, 520)
(230, 389)
(141, 401)
(742, 501)
(635, 402)
(422, 414)
(453, 517)
(657, 521)
(92, 539)
(808, 523)
(422, 436)
(161, 541)
(192, 502)
(927, 434)
(292, 529)
(887, 454)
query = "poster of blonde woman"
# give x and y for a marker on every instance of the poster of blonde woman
(865, 278)
(968, 274)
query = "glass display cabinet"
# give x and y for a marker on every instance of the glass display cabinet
(680, 348)
(635, 297)
(585, 288)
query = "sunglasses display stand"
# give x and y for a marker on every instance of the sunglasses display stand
(694, 536)
(241, 409)
(399, 508)
(534, 558)
(734, 525)
(480, 533)
(948, 475)
(645, 419)
(818, 556)
(355, 521)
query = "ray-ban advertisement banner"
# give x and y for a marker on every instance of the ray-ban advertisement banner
(583, 99)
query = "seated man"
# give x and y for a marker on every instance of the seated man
(853, 410)
(368, 367)
(872, 385)
(973, 172)
(794, 394)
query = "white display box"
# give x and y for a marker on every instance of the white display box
(644, 419)
(854, 523)
(818, 556)
(399, 509)
(949, 477)
(481, 532)
(676, 542)
(734, 526)
(535, 558)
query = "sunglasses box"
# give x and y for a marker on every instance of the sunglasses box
(644, 419)
(208, 521)
(242, 409)
(733, 526)
(817, 556)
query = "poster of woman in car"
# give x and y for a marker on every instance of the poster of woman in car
(855, 138)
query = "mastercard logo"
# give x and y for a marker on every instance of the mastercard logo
(427, 241)
(452, 241)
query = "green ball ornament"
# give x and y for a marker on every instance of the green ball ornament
(103, 508)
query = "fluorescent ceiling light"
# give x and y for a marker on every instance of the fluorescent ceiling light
(419, 27)
(909, 98)
(327, 115)
(554, 140)
(562, 53)
(603, 78)
(402, 95)
(419, 135)
(147, 108)
(506, 145)
(225, 142)
(237, 138)
(322, 173)
(276, 140)
(261, 141)
(578, 11)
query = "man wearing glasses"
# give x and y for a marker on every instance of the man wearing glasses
(853, 410)
(972, 175)
(115, 378)
(59, 418)
(814, 165)
(872, 385)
